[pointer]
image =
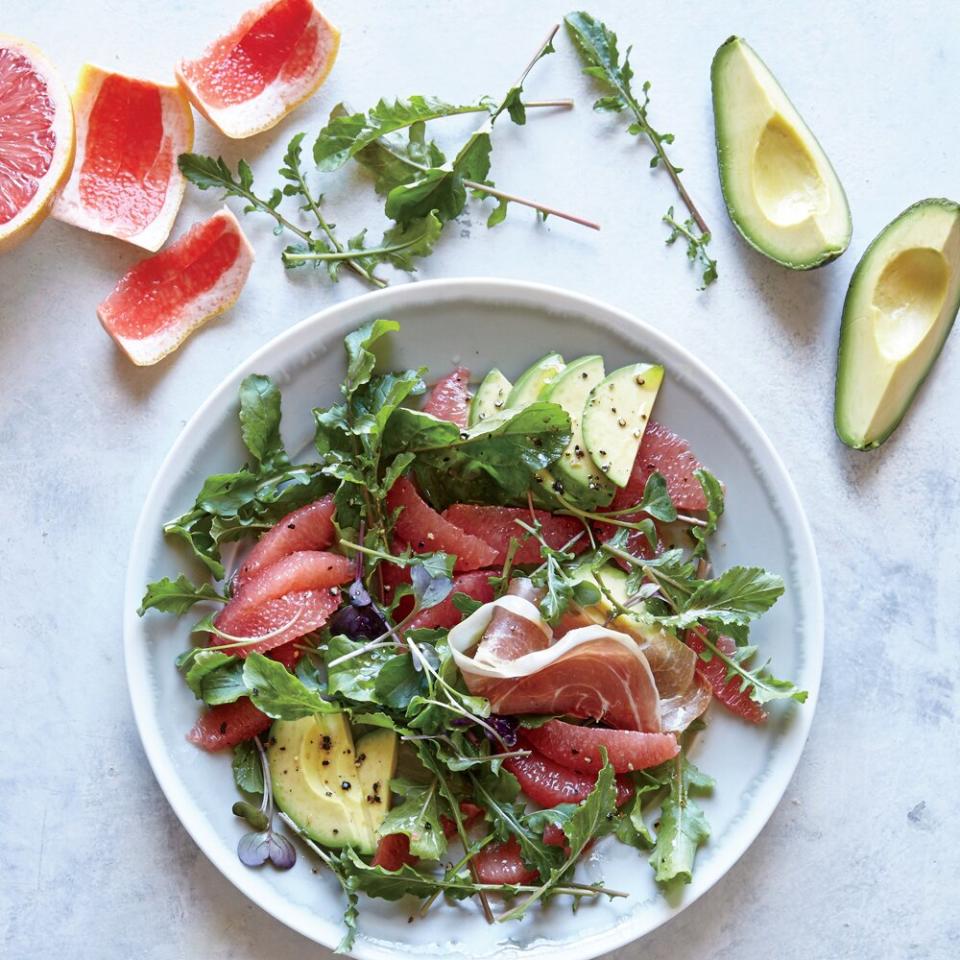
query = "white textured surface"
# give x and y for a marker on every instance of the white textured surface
(861, 857)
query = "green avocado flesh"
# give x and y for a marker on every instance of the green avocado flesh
(579, 476)
(900, 306)
(490, 398)
(531, 382)
(780, 189)
(338, 793)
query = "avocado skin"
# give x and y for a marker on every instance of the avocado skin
(842, 354)
(828, 255)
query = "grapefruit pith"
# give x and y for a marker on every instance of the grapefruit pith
(163, 299)
(275, 58)
(36, 139)
(126, 182)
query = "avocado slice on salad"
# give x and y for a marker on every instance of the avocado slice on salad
(579, 476)
(901, 304)
(490, 398)
(780, 189)
(616, 415)
(530, 383)
(323, 785)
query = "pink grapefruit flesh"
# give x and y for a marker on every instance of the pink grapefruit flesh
(275, 58)
(450, 397)
(36, 139)
(228, 724)
(309, 528)
(419, 525)
(497, 525)
(578, 748)
(125, 182)
(163, 299)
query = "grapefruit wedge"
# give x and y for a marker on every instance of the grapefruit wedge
(36, 139)
(164, 298)
(275, 58)
(126, 182)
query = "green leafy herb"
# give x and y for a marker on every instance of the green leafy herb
(597, 46)
(399, 681)
(683, 826)
(737, 596)
(581, 823)
(418, 816)
(176, 596)
(215, 677)
(278, 693)
(713, 492)
(493, 462)
(247, 771)
(260, 421)
(656, 499)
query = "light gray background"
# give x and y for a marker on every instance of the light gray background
(861, 858)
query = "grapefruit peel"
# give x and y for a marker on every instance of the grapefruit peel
(208, 266)
(275, 58)
(133, 195)
(28, 81)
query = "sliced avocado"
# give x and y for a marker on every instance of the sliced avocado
(317, 783)
(579, 476)
(901, 304)
(779, 187)
(490, 398)
(616, 415)
(376, 767)
(531, 382)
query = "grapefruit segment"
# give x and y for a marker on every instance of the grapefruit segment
(578, 748)
(228, 724)
(36, 139)
(285, 600)
(445, 614)
(500, 862)
(450, 398)
(163, 299)
(126, 182)
(275, 58)
(498, 525)
(419, 525)
(307, 528)
(549, 783)
(727, 691)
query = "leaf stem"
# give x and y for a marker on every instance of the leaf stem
(535, 204)
(356, 267)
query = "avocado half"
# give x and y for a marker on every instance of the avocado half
(780, 189)
(901, 304)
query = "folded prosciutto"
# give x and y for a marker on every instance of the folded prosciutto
(591, 672)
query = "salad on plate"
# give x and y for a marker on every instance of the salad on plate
(472, 634)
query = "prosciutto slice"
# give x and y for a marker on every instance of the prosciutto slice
(591, 672)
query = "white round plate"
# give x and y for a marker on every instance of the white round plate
(485, 323)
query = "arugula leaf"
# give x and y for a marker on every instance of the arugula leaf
(347, 134)
(493, 462)
(260, 421)
(247, 769)
(465, 603)
(436, 191)
(591, 818)
(176, 596)
(656, 499)
(278, 693)
(396, 884)
(713, 491)
(597, 46)
(355, 678)
(361, 361)
(683, 826)
(399, 681)
(215, 677)
(418, 816)
(737, 596)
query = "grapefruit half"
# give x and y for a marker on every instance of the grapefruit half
(164, 298)
(126, 182)
(275, 58)
(36, 139)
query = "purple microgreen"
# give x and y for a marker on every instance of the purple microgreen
(262, 843)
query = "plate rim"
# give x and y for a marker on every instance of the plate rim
(488, 289)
